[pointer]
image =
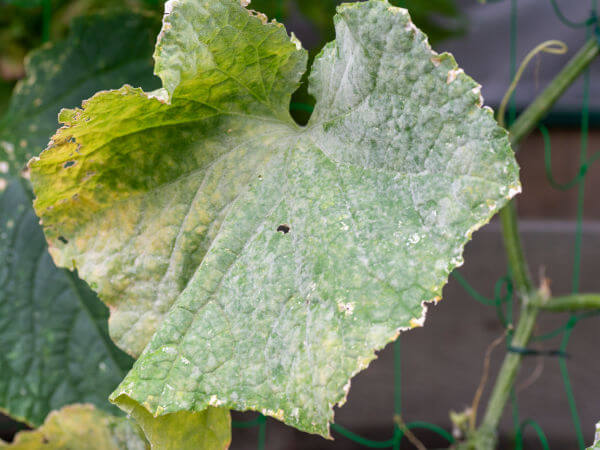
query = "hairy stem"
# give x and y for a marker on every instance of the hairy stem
(485, 436)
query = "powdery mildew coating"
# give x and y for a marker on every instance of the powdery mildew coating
(260, 264)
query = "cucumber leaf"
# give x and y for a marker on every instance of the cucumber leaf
(52, 326)
(254, 264)
(80, 426)
(102, 51)
(208, 429)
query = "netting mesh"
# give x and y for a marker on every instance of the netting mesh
(503, 300)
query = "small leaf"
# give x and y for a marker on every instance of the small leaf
(102, 51)
(53, 328)
(80, 426)
(208, 429)
(256, 264)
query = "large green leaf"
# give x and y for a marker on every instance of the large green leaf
(76, 427)
(259, 264)
(103, 51)
(53, 328)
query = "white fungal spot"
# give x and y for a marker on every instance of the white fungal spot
(346, 308)
(159, 94)
(3, 167)
(169, 6)
(514, 190)
(477, 91)
(414, 238)
(169, 351)
(346, 387)
(452, 74)
(102, 366)
(2, 184)
(214, 401)
(411, 27)
(296, 41)
(415, 323)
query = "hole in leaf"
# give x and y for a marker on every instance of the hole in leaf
(285, 229)
(63, 240)
(69, 164)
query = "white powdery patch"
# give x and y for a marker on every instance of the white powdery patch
(296, 41)
(279, 414)
(346, 308)
(411, 27)
(169, 351)
(160, 94)
(514, 190)
(3, 167)
(414, 238)
(452, 74)
(477, 91)
(169, 6)
(214, 401)
(346, 389)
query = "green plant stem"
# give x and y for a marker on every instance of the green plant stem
(529, 118)
(485, 436)
(514, 249)
(571, 303)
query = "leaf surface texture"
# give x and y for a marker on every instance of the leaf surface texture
(53, 328)
(254, 264)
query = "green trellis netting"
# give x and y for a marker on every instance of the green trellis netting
(503, 293)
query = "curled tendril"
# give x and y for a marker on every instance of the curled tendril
(553, 47)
